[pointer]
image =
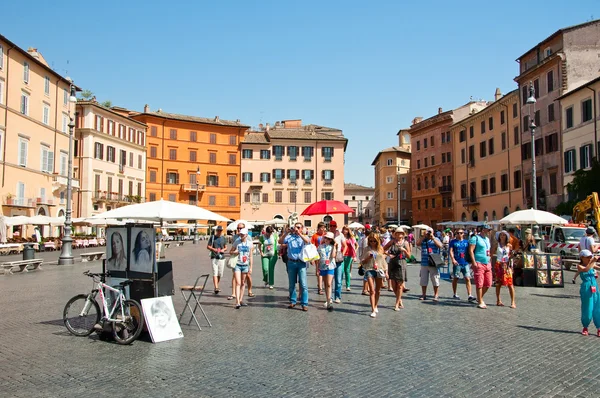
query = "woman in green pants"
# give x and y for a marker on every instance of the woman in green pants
(268, 256)
(349, 255)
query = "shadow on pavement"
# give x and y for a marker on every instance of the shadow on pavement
(538, 329)
(560, 296)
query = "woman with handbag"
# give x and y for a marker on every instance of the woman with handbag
(327, 252)
(399, 250)
(375, 269)
(268, 256)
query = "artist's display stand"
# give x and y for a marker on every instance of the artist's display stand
(542, 270)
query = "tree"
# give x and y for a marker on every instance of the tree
(584, 183)
(107, 103)
(86, 95)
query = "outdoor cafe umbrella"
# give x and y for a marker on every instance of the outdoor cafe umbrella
(532, 216)
(327, 207)
(276, 221)
(2, 229)
(233, 225)
(422, 226)
(355, 225)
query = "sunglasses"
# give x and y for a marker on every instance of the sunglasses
(460, 232)
(240, 228)
(372, 241)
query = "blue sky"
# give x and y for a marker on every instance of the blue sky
(366, 67)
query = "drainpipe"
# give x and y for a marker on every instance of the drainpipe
(507, 159)
(466, 158)
(595, 122)
(6, 116)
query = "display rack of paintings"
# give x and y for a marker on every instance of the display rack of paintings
(548, 270)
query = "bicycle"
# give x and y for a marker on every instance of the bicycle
(82, 312)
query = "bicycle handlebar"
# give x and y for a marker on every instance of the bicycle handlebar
(94, 274)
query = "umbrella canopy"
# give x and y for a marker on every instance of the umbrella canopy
(17, 220)
(45, 220)
(356, 225)
(162, 210)
(422, 226)
(233, 225)
(276, 221)
(2, 229)
(98, 222)
(532, 216)
(327, 207)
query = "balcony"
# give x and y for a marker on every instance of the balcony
(193, 187)
(445, 189)
(99, 196)
(471, 200)
(10, 200)
(44, 201)
(60, 182)
(390, 217)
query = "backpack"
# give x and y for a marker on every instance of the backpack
(468, 257)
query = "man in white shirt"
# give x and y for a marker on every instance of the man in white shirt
(587, 242)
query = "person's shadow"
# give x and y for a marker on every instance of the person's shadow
(538, 329)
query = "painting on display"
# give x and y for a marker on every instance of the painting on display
(528, 261)
(141, 250)
(161, 319)
(116, 249)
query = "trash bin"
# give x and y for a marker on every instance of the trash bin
(28, 251)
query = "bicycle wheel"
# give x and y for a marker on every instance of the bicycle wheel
(81, 314)
(125, 331)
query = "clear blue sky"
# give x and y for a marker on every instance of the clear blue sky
(366, 67)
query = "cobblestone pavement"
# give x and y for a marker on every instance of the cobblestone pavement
(265, 349)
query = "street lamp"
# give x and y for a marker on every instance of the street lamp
(66, 252)
(531, 101)
(197, 186)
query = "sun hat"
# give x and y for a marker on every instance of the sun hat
(329, 235)
(585, 253)
(400, 229)
(244, 231)
(528, 231)
(502, 232)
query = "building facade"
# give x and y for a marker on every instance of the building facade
(110, 159)
(361, 199)
(433, 162)
(561, 62)
(289, 166)
(579, 126)
(35, 113)
(487, 176)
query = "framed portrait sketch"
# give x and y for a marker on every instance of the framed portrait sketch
(142, 249)
(116, 249)
(161, 319)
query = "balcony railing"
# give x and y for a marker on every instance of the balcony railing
(471, 200)
(10, 200)
(193, 187)
(44, 201)
(445, 188)
(61, 182)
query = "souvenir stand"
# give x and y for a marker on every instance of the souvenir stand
(542, 270)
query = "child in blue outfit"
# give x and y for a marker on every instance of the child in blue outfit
(590, 296)
(327, 252)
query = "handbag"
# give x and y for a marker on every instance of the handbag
(310, 253)
(232, 262)
(361, 271)
(436, 260)
(381, 273)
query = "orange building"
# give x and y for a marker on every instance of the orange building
(188, 155)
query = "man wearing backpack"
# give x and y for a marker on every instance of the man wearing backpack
(479, 252)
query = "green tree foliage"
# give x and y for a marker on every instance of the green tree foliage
(584, 183)
(86, 95)
(107, 103)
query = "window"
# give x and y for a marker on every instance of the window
(536, 118)
(502, 120)
(515, 111)
(46, 85)
(471, 132)
(550, 81)
(390, 195)
(265, 177)
(447, 136)
(503, 141)
(418, 204)
(553, 186)
(153, 151)
(278, 152)
(327, 176)
(212, 200)
(433, 160)
(265, 154)
(482, 149)
(173, 134)
(427, 203)
(493, 185)
(524, 93)
(491, 123)
(426, 162)
(443, 138)
(526, 123)
(526, 151)
(231, 200)
(212, 180)
(193, 178)
(484, 187)
(568, 116)
(152, 197)
(212, 157)
(586, 110)
(278, 196)
(536, 88)
(570, 161)
(432, 181)
(232, 140)
(232, 181)
(491, 146)
(418, 145)
(462, 136)
(424, 143)
(517, 179)
(110, 154)
(172, 154)
(539, 147)
(389, 179)
(551, 112)
(213, 138)
(47, 160)
(308, 176)
(25, 104)
(463, 156)
(193, 156)
(193, 136)
(152, 175)
(307, 197)
(433, 203)
(552, 143)
(516, 135)
(585, 156)
(98, 151)
(444, 157)
(246, 177)
(403, 179)
(293, 196)
(327, 153)
(327, 196)
(418, 184)
(390, 162)
(172, 178)
(99, 123)
(1, 85)
(278, 175)
(46, 114)
(463, 191)
(247, 154)
(26, 72)
(426, 180)
(307, 153)
(292, 152)
(232, 158)
(265, 198)
(482, 126)
(472, 155)
(418, 163)
(404, 194)
(504, 182)
(140, 166)
(431, 140)
(153, 131)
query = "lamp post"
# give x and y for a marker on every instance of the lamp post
(531, 101)
(197, 201)
(66, 252)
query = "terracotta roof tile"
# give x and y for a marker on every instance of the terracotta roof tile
(196, 119)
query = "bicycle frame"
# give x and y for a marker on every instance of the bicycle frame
(108, 315)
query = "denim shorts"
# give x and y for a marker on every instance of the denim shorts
(465, 270)
(370, 274)
(324, 272)
(241, 268)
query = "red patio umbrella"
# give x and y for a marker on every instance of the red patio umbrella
(327, 207)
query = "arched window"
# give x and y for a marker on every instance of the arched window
(463, 217)
(41, 211)
(505, 212)
(518, 208)
(474, 216)
(485, 216)
(494, 215)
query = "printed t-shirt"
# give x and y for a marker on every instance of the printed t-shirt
(295, 244)
(427, 247)
(244, 249)
(325, 260)
(459, 249)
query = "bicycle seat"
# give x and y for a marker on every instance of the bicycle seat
(125, 283)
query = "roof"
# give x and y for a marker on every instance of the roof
(350, 185)
(194, 119)
(558, 32)
(109, 110)
(37, 61)
(478, 113)
(584, 85)
(309, 132)
(439, 117)
(390, 149)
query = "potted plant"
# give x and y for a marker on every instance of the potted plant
(9, 198)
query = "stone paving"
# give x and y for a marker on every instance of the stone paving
(450, 349)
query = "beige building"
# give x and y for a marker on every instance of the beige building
(289, 166)
(579, 125)
(487, 161)
(393, 193)
(110, 159)
(361, 199)
(34, 134)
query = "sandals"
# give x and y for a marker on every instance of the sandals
(499, 304)
(481, 306)
(251, 294)
(230, 297)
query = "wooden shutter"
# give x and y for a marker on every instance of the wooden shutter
(332, 174)
(312, 174)
(273, 173)
(322, 174)
(582, 157)
(312, 151)
(251, 175)
(288, 173)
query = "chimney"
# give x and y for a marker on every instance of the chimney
(497, 94)
(416, 120)
(439, 110)
(237, 121)
(216, 118)
(267, 128)
(146, 108)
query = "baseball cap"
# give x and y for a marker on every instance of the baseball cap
(332, 223)
(244, 231)
(589, 231)
(367, 226)
(485, 226)
(585, 253)
(219, 228)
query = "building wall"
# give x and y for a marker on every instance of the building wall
(42, 185)
(505, 161)
(266, 210)
(363, 203)
(390, 167)
(121, 133)
(223, 199)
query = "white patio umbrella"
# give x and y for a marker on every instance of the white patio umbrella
(17, 220)
(98, 222)
(2, 229)
(422, 226)
(45, 220)
(233, 225)
(276, 221)
(532, 216)
(355, 225)
(162, 210)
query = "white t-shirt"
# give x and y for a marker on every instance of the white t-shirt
(339, 239)
(244, 251)
(586, 242)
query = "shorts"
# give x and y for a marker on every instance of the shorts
(241, 268)
(218, 266)
(323, 272)
(483, 275)
(427, 273)
(370, 274)
(464, 269)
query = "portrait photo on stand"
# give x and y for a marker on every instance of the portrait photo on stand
(161, 319)
(116, 249)
(141, 250)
